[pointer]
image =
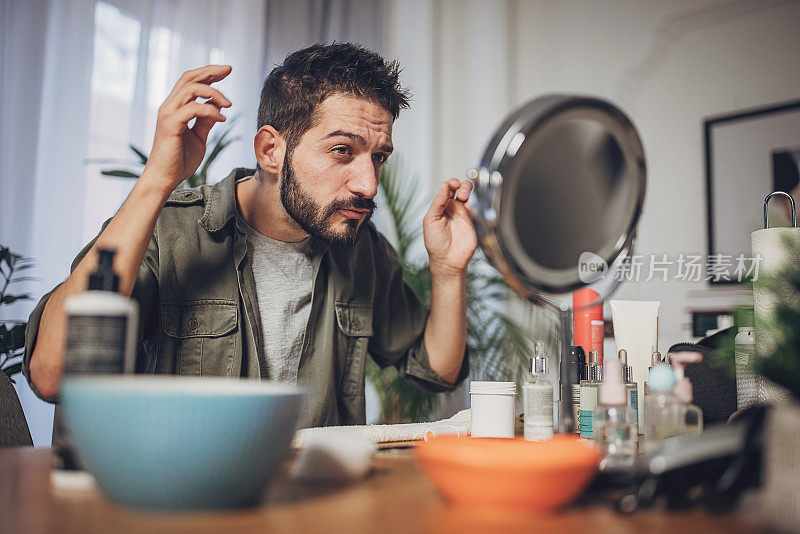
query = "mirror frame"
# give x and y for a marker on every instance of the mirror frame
(497, 160)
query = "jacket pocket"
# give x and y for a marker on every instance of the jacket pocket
(200, 336)
(355, 329)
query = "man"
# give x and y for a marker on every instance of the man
(277, 273)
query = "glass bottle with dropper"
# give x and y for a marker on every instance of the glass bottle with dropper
(538, 396)
(631, 387)
(616, 428)
(593, 374)
(655, 359)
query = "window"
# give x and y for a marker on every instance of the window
(134, 66)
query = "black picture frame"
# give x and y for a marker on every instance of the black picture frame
(754, 127)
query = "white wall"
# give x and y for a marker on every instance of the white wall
(667, 64)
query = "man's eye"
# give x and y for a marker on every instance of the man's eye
(343, 150)
(380, 158)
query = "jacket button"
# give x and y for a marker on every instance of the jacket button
(357, 323)
(192, 323)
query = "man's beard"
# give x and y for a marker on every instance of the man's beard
(314, 219)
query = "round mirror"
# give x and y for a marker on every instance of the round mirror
(558, 194)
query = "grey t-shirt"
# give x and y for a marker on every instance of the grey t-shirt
(283, 274)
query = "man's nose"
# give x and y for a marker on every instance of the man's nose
(364, 180)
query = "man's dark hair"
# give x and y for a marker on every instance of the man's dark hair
(293, 90)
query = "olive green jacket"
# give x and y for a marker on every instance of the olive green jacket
(200, 316)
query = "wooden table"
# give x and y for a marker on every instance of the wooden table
(397, 497)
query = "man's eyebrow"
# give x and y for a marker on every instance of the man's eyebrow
(355, 137)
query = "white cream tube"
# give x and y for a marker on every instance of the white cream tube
(636, 331)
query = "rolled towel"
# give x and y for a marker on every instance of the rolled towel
(773, 249)
(458, 424)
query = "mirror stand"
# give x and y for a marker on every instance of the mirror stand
(566, 422)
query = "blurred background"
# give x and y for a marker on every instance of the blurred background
(81, 80)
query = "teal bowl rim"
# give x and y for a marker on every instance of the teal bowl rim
(186, 385)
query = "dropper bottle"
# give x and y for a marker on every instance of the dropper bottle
(662, 410)
(631, 387)
(616, 427)
(538, 397)
(593, 374)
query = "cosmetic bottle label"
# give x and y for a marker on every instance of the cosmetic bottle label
(633, 400)
(538, 424)
(95, 344)
(576, 407)
(588, 404)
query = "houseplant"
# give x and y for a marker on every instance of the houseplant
(12, 332)
(499, 347)
(216, 144)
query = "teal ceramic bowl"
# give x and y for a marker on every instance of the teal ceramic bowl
(181, 443)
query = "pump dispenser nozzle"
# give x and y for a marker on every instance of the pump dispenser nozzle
(104, 279)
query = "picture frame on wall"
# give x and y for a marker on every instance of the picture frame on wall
(749, 154)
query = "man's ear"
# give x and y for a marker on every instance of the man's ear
(270, 148)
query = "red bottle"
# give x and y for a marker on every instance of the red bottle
(588, 321)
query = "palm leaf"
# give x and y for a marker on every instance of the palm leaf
(218, 142)
(120, 173)
(142, 156)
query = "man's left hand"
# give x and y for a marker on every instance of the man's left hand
(448, 231)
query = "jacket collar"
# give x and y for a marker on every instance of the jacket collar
(221, 207)
(221, 201)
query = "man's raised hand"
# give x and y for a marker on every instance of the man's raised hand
(177, 149)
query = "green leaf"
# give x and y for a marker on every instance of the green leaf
(120, 174)
(142, 156)
(13, 370)
(8, 299)
(16, 337)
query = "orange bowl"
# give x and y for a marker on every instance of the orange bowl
(509, 473)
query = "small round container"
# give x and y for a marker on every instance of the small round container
(492, 409)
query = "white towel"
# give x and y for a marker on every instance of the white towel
(459, 424)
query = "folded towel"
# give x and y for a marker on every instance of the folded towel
(459, 424)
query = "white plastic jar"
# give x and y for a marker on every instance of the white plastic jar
(492, 409)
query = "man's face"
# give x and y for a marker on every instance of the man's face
(329, 180)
